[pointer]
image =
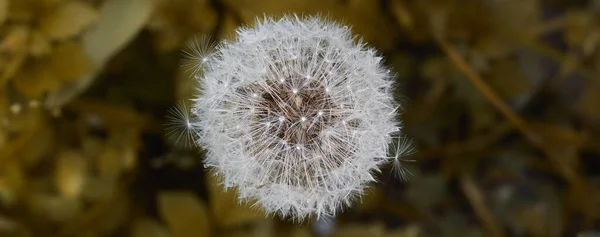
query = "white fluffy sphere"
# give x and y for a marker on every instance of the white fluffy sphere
(295, 114)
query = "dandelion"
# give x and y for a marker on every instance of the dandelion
(296, 114)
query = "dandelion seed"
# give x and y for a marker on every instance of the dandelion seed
(401, 147)
(180, 130)
(309, 148)
(197, 53)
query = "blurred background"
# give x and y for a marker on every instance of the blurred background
(501, 99)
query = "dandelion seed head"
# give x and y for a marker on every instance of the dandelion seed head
(296, 115)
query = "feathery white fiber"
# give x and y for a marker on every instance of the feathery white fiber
(295, 114)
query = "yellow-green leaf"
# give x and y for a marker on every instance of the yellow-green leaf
(184, 213)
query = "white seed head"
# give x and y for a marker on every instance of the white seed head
(296, 115)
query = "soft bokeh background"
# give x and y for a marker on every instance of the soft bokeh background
(502, 100)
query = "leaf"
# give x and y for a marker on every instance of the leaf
(109, 164)
(70, 62)
(114, 216)
(68, 20)
(579, 24)
(39, 44)
(13, 51)
(43, 140)
(54, 208)
(98, 188)
(145, 227)
(70, 173)
(34, 80)
(184, 213)
(118, 23)
(12, 180)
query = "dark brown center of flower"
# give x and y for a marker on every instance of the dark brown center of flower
(301, 113)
